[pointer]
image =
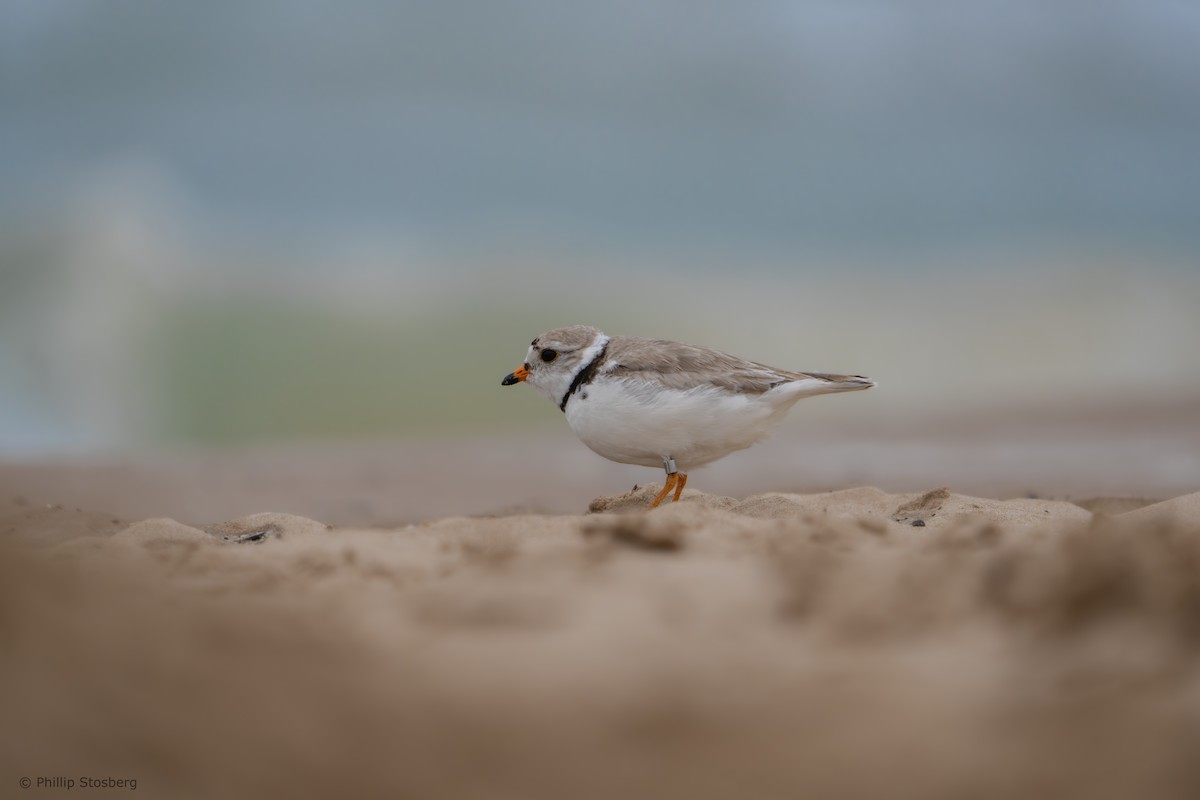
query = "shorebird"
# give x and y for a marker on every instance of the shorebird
(657, 403)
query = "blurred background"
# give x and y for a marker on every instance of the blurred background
(233, 223)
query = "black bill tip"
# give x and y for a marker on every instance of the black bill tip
(509, 380)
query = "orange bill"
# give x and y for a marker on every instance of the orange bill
(516, 376)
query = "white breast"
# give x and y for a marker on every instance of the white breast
(634, 422)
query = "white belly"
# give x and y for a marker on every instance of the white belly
(632, 422)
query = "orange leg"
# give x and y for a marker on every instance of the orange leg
(672, 479)
(679, 486)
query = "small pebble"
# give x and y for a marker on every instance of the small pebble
(918, 523)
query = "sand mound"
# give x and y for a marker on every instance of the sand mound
(1112, 506)
(1182, 511)
(160, 533)
(936, 508)
(783, 645)
(258, 527)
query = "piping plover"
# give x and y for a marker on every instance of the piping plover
(656, 403)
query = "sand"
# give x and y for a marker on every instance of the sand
(853, 643)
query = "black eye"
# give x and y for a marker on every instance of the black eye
(549, 355)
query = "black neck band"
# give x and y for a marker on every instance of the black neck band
(583, 377)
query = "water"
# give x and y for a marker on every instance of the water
(240, 221)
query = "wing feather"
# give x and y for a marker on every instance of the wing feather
(685, 366)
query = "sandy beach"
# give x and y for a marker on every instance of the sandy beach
(858, 642)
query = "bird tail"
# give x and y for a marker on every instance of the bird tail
(843, 383)
(809, 384)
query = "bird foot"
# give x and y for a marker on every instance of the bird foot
(675, 480)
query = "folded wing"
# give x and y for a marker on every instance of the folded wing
(684, 366)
